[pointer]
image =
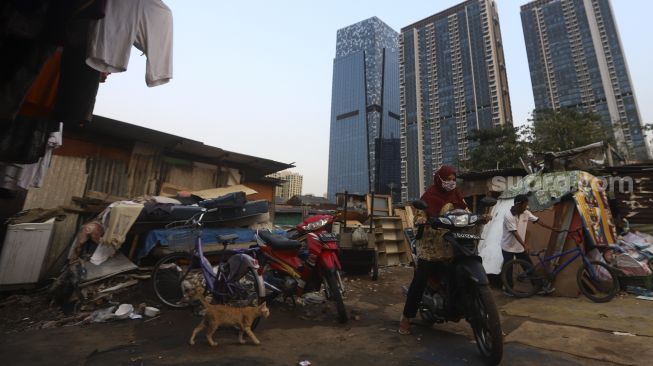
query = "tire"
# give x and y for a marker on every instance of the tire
(425, 313)
(524, 283)
(335, 294)
(599, 285)
(171, 274)
(486, 324)
(245, 293)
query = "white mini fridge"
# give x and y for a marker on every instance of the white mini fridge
(24, 251)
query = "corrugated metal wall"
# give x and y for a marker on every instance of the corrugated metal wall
(193, 176)
(144, 171)
(108, 176)
(65, 178)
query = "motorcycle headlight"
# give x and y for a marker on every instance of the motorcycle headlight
(315, 225)
(444, 220)
(461, 220)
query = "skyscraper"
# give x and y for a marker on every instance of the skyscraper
(452, 81)
(291, 184)
(576, 61)
(364, 134)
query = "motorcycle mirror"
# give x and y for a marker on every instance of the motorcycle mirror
(488, 201)
(420, 205)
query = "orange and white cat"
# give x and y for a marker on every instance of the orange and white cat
(217, 315)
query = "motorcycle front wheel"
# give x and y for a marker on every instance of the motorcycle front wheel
(484, 319)
(334, 292)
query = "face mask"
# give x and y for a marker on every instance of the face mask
(449, 185)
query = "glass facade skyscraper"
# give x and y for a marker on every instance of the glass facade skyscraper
(576, 61)
(452, 81)
(364, 133)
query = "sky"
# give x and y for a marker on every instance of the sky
(254, 77)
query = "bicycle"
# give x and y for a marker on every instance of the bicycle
(234, 281)
(596, 280)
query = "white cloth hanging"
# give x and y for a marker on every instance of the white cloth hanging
(146, 24)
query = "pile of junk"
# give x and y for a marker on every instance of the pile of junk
(116, 250)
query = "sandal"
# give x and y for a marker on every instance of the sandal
(404, 326)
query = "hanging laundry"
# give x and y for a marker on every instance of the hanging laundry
(146, 24)
(23, 140)
(25, 176)
(78, 87)
(30, 32)
(39, 101)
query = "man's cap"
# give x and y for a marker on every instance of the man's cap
(521, 198)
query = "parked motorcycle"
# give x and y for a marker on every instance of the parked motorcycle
(295, 273)
(313, 224)
(464, 290)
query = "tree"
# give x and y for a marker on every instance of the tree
(564, 129)
(494, 148)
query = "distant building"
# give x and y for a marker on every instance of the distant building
(291, 184)
(452, 81)
(576, 61)
(310, 200)
(364, 133)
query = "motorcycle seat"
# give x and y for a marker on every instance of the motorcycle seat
(278, 242)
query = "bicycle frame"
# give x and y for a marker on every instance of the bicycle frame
(560, 267)
(211, 278)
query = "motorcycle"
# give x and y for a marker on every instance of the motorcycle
(463, 291)
(295, 272)
(314, 224)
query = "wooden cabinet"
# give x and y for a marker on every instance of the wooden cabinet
(390, 242)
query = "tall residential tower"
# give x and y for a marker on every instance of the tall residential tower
(291, 184)
(364, 136)
(452, 81)
(576, 61)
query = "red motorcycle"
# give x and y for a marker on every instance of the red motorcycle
(293, 271)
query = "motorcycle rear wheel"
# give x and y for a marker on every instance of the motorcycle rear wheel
(334, 291)
(486, 325)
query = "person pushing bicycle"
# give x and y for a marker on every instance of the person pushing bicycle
(514, 231)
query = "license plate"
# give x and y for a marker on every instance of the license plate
(466, 236)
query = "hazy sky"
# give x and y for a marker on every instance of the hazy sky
(254, 77)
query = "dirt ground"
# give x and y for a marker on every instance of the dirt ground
(288, 336)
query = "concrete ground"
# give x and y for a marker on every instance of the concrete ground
(538, 332)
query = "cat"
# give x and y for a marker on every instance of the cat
(217, 315)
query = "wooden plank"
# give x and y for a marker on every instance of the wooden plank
(394, 235)
(410, 216)
(170, 190)
(393, 260)
(106, 197)
(132, 249)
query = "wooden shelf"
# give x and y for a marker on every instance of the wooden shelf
(389, 237)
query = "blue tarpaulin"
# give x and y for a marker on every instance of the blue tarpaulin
(162, 237)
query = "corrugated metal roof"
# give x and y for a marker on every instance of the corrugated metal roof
(507, 172)
(636, 204)
(119, 133)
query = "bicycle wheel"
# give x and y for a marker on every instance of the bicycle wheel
(519, 278)
(599, 283)
(244, 292)
(173, 275)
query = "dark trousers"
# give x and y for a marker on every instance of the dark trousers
(509, 256)
(416, 290)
